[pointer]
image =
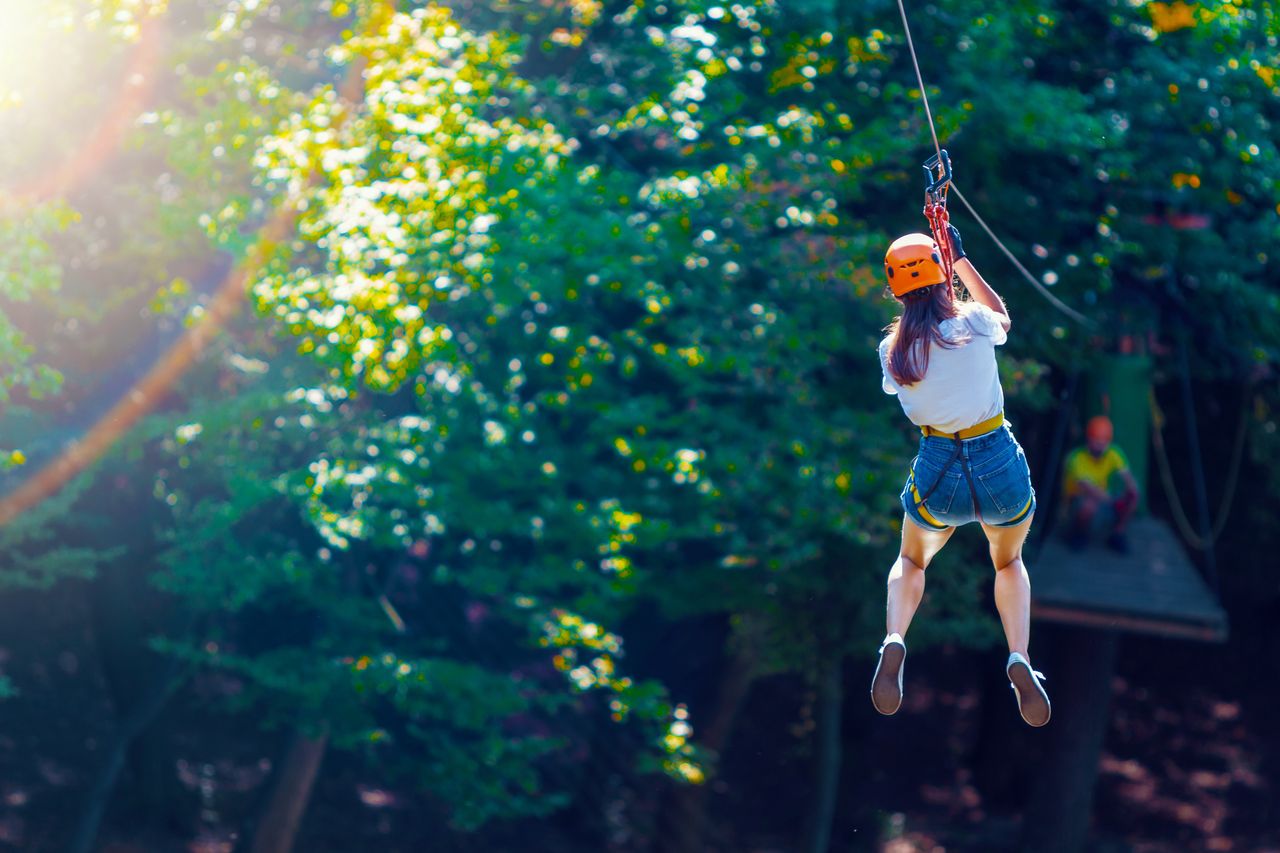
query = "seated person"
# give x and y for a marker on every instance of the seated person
(1090, 484)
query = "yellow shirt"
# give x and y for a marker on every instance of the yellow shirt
(1083, 466)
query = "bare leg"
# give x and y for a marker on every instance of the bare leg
(906, 578)
(1013, 586)
(905, 589)
(1013, 600)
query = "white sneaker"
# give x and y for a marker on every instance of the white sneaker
(886, 685)
(1033, 701)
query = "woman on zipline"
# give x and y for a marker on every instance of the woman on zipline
(939, 358)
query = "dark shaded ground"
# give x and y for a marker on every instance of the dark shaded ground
(1190, 762)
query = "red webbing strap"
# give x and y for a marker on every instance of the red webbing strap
(936, 213)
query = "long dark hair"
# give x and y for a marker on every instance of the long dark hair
(911, 334)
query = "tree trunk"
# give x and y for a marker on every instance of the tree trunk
(279, 825)
(127, 612)
(138, 718)
(687, 817)
(1058, 816)
(827, 757)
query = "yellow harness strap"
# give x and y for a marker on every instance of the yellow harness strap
(989, 425)
(921, 508)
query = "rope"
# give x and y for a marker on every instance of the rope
(935, 208)
(1035, 282)
(923, 95)
(936, 213)
(1183, 523)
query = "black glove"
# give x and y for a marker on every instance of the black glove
(957, 248)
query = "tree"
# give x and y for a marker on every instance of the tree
(586, 298)
(549, 312)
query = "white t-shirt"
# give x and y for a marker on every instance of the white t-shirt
(962, 386)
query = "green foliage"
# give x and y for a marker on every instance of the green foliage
(585, 300)
(414, 182)
(332, 622)
(552, 313)
(37, 555)
(28, 267)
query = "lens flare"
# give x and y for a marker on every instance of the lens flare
(48, 92)
(27, 31)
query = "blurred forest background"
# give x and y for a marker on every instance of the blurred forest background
(458, 427)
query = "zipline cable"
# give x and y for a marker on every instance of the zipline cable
(933, 130)
(1044, 291)
(924, 97)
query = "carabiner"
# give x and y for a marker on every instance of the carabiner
(937, 175)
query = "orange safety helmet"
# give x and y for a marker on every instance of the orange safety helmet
(912, 262)
(1099, 429)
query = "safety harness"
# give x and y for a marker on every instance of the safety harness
(987, 426)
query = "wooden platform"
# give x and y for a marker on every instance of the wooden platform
(1154, 589)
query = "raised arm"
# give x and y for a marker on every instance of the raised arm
(974, 282)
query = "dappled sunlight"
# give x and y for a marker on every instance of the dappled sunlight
(378, 798)
(1203, 786)
(543, 499)
(913, 842)
(12, 830)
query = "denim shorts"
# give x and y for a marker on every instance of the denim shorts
(989, 482)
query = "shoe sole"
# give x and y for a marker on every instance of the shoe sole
(1033, 702)
(886, 686)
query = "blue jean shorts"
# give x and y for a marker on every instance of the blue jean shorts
(988, 481)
